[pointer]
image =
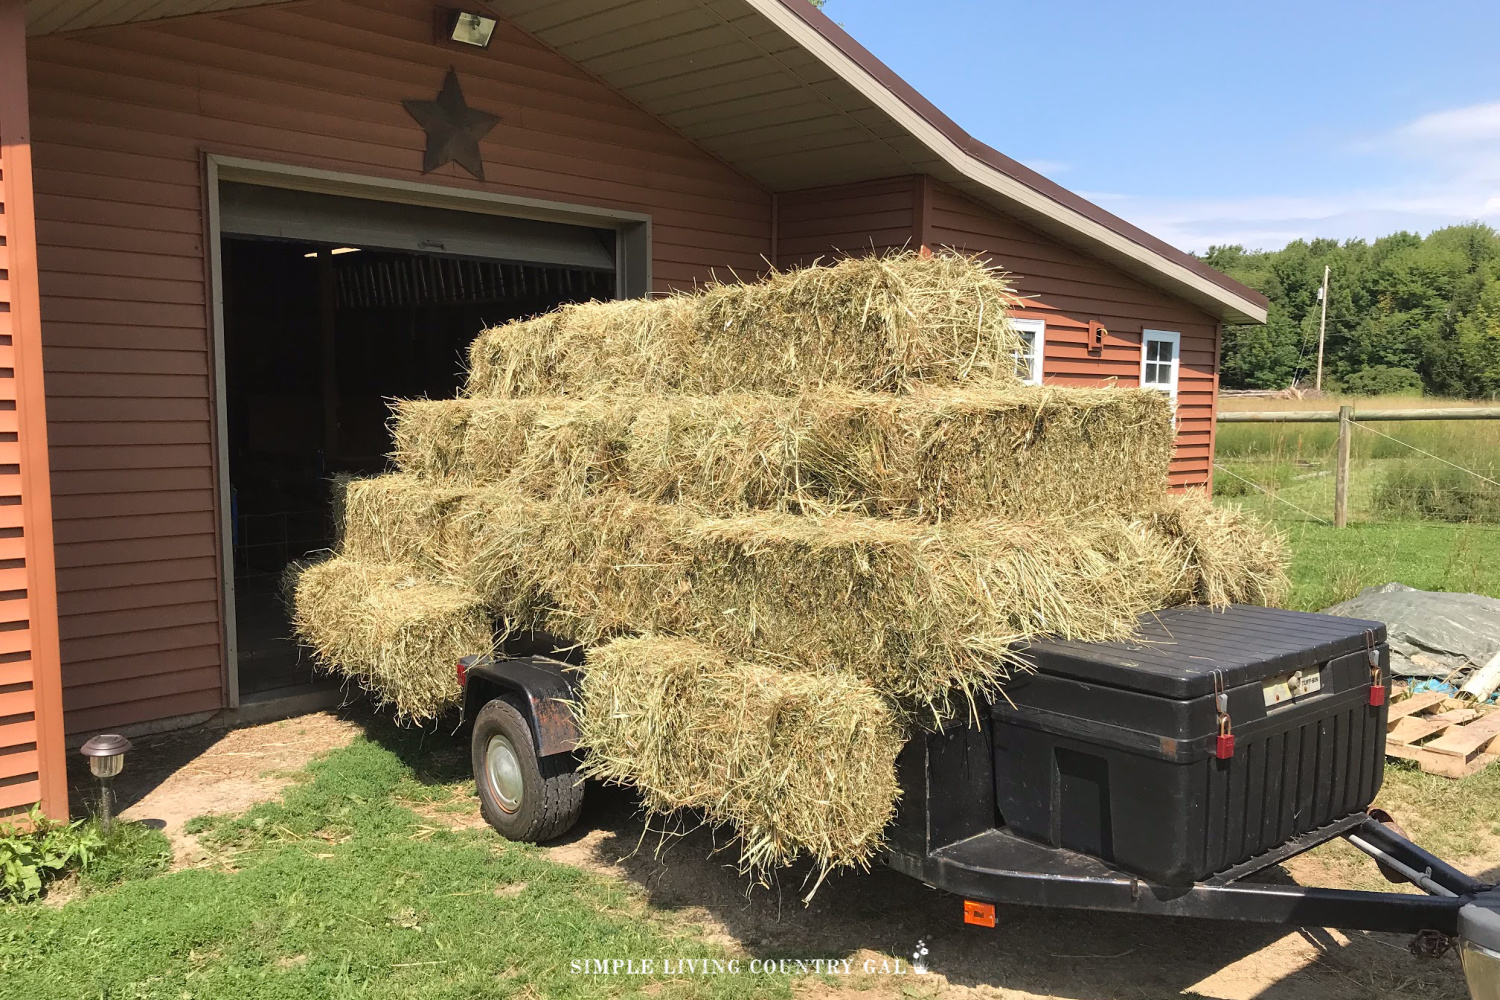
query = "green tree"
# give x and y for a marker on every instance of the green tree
(1402, 304)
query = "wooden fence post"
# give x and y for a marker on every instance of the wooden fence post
(1341, 475)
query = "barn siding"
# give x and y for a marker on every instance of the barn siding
(123, 117)
(1064, 287)
(31, 739)
(856, 218)
(1068, 289)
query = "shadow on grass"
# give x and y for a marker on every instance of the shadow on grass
(859, 916)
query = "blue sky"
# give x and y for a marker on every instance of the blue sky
(1222, 122)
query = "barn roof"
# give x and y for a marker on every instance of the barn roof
(776, 89)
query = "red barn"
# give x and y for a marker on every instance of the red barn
(232, 228)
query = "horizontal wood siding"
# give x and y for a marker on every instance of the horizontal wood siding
(850, 219)
(1067, 289)
(32, 762)
(122, 118)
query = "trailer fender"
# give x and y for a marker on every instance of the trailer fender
(539, 686)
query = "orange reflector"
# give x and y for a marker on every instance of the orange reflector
(982, 914)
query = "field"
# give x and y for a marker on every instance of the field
(1414, 517)
(1399, 470)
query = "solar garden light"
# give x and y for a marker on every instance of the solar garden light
(106, 756)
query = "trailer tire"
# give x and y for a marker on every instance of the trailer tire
(522, 796)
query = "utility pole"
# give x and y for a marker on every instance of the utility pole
(1322, 328)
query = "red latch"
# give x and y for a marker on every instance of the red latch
(1224, 746)
(1372, 655)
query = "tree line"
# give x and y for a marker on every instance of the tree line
(1404, 314)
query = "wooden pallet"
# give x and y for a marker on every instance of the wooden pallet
(1443, 735)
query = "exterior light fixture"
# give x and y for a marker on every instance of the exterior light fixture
(471, 29)
(106, 756)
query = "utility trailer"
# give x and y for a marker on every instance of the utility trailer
(1156, 775)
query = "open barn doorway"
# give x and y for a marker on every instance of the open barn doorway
(332, 307)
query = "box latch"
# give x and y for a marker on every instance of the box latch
(1224, 746)
(1372, 655)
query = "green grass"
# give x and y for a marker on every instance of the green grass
(1331, 565)
(343, 890)
(130, 851)
(1462, 441)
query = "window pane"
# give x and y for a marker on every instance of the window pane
(1164, 352)
(1151, 348)
(1027, 365)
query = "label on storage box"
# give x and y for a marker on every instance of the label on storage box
(1288, 687)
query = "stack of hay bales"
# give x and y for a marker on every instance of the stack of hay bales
(789, 519)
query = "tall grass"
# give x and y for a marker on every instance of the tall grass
(1440, 494)
(1469, 443)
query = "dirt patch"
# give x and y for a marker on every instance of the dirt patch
(173, 777)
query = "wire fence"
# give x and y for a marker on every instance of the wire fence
(1288, 465)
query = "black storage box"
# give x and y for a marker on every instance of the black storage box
(1112, 749)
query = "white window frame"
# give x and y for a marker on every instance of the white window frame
(1175, 339)
(1038, 330)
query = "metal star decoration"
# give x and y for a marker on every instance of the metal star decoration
(453, 128)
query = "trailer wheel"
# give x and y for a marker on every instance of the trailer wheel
(523, 796)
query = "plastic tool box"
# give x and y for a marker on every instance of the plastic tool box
(1210, 739)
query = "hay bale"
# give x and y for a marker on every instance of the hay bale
(794, 763)
(1233, 557)
(395, 521)
(975, 451)
(877, 323)
(920, 611)
(392, 633)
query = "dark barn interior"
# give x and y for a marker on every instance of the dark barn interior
(318, 339)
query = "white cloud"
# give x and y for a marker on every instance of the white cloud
(1477, 124)
(1450, 159)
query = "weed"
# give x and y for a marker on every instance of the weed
(129, 851)
(1442, 494)
(43, 851)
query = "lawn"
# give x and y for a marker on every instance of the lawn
(344, 889)
(1332, 564)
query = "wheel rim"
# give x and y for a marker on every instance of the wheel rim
(503, 769)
